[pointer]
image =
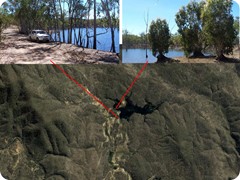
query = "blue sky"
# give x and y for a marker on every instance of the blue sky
(134, 11)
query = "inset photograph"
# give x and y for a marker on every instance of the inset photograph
(180, 31)
(67, 32)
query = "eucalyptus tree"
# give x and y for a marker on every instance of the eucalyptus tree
(189, 24)
(66, 15)
(111, 10)
(159, 37)
(62, 16)
(24, 15)
(94, 24)
(70, 4)
(236, 27)
(79, 13)
(88, 5)
(29, 13)
(125, 37)
(218, 26)
(4, 22)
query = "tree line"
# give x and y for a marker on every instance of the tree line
(60, 15)
(131, 41)
(201, 25)
(4, 22)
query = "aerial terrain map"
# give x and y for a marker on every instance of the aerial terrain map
(177, 122)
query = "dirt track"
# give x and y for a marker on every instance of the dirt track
(17, 49)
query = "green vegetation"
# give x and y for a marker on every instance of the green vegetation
(202, 26)
(159, 37)
(133, 41)
(218, 26)
(176, 41)
(57, 15)
(5, 20)
(189, 22)
(236, 27)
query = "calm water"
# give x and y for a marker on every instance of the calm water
(139, 55)
(104, 41)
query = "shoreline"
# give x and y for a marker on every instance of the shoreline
(17, 49)
(209, 58)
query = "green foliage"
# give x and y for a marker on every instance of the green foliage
(218, 26)
(61, 15)
(236, 27)
(159, 37)
(110, 9)
(29, 14)
(189, 22)
(58, 14)
(133, 41)
(176, 41)
(4, 22)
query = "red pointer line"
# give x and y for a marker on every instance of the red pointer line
(130, 87)
(84, 89)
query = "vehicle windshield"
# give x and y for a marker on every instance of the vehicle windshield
(41, 32)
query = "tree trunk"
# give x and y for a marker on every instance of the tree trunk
(161, 58)
(71, 30)
(107, 10)
(62, 19)
(95, 26)
(87, 27)
(75, 35)
(113, 40)
(69, 22)
(80, 37)
(197, 54)
(221, 57)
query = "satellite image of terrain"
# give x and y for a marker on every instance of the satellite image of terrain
(178, 122)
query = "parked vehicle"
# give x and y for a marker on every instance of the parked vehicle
(39, 35)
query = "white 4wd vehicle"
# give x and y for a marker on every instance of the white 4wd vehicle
(39, 35)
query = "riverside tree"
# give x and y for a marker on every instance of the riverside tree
(159, 37)
(236, 27)
(218, 26)
(4, 22)
(111, 9)
(133, 41)
(67, 15)
(2, 26)
(189, 24)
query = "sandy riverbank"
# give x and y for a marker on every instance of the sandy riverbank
(234, 58)
(17, 49)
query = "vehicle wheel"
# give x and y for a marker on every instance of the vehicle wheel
(38, 40)
(30, 38)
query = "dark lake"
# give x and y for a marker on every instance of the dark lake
(104, 41)
(139, 55)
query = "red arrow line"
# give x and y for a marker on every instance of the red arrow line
(130, 87)
(84, 89)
